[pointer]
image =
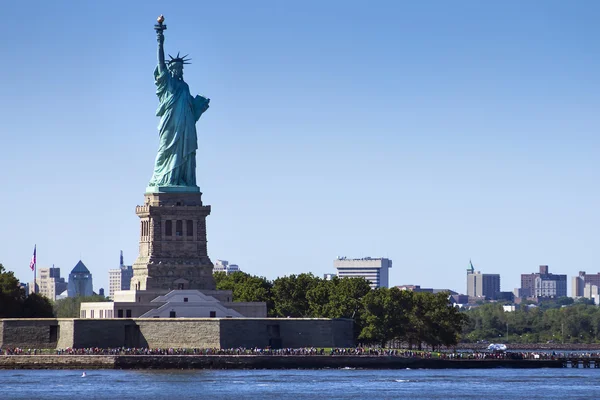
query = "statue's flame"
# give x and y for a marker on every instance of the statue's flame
(160, 19)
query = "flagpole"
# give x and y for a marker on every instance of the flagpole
(33, 266)
(35, 269)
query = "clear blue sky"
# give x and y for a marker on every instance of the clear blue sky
(429, 132)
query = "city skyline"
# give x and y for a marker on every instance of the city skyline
(425, 133)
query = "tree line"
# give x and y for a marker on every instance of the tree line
(560, 321)
(380, 315)
(14, 302)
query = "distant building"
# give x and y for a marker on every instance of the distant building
(483, 285)
(505, 296)
(522, 293)
(551, 286)
(459, 299)
(579, 282)
(224, 266)
(543, 284)
(49, 283)
(101, 292)
(119, 278)
(414, 288)
(591, 292)
(328, 276)
(418, 288)
(374, 270)
(80, 281)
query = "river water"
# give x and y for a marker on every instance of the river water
(301, 384)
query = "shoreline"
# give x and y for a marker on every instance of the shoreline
(259, 362)
(532, 346)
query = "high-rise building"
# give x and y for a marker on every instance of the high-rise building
(224, 266)
(119, 278)
(49, 282)
(579, 282)
(543, 284)
(483, 285)
(374, 270)
(80, 281)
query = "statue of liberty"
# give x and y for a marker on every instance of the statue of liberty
(175, 164)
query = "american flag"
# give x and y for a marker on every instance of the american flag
(33, 260)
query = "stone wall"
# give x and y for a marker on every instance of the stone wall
(57, 362)
(175, 333)
(66, 332)
(261, 362)
(179, 332)
(108, 333)
(286, 332)
(316, 333)
(30, 333)
(255, 309)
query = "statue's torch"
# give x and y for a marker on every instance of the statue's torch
(159, 28)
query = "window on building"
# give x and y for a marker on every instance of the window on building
(169, 228)
(127, 313)
(91, 313)
(101, 314)
(109, 313)
(82, 314)
(172, 314)
(120, 313)
(189, 227)
(213, 314)
(179, 228)
(185, 299)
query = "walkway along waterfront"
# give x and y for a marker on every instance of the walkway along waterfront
(283, 359)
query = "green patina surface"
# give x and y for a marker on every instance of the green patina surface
(178, 110)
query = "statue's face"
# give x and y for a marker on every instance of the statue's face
(176, 69)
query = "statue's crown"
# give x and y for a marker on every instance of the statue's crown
(182, 60)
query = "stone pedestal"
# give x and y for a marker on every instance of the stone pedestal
(173, 252)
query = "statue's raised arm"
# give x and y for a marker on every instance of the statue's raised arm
(160, 38)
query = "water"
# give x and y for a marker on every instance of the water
(301, 384)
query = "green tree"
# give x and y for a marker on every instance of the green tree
(290, 295)
(11, 295)
(442, 322)
(14, 303)
(339, 298)
(246, 287)
(70, 306)
(37, 306)
(376, 326)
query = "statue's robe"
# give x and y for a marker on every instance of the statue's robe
(178, 111)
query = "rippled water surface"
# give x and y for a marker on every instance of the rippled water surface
(302, 384)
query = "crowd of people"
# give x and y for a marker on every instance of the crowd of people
(305, 351)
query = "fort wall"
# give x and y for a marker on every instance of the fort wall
(175, 333)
